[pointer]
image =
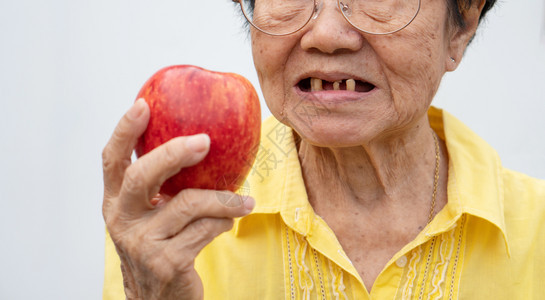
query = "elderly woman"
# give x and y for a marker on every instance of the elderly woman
(362, 190)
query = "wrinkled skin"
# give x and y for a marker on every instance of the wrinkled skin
(406, 67)
(157, 244)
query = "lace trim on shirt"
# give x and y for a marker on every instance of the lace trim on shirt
(412, 273)
(309, 274)
(440, 271)
(337, 281)
(306, 284)
(437, 274)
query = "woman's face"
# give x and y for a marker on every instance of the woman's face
(396, 75)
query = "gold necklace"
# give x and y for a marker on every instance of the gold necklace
(436, 178)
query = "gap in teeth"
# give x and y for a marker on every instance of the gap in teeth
(317, 84)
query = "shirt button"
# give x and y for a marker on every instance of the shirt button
(402, 261)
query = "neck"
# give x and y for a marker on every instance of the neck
(390, 171)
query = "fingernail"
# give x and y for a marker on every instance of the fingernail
(198, 143)
(249, 203)
(229, 199)
(137, 109)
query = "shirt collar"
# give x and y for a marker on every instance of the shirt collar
(475, 182)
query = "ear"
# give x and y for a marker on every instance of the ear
(461, 36)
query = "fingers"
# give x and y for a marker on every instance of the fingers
(191, 205)
(116, 156)
(197, 235)
(144, 177)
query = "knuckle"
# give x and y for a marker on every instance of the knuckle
(208, 228)
(187, 206)
(170, 153)
(202, 227)
(111, 163)
(203, 231)
(121, 131)
(107, 160)
(134, 179)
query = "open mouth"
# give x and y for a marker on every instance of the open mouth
(317, 84)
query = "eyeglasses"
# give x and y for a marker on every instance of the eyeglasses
(283, 17)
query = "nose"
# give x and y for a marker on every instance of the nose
(329, 32)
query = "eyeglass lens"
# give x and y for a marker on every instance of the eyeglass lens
(279, 17)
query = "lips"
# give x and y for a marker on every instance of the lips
(313, 84)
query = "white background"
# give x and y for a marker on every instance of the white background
(70, 69)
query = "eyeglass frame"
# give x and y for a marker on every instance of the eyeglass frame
(314, 15)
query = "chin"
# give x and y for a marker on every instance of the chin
(330, 133)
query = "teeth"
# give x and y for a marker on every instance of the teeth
(350, 85)
(316, 84)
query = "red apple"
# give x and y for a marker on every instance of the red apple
(186, 100)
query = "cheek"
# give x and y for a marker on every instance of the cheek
(413, 64)
(270, 56)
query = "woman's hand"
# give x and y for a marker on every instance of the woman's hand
(157, 244)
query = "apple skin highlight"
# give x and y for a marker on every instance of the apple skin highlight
(186, 100)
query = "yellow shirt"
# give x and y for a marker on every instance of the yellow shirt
(488, 242)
